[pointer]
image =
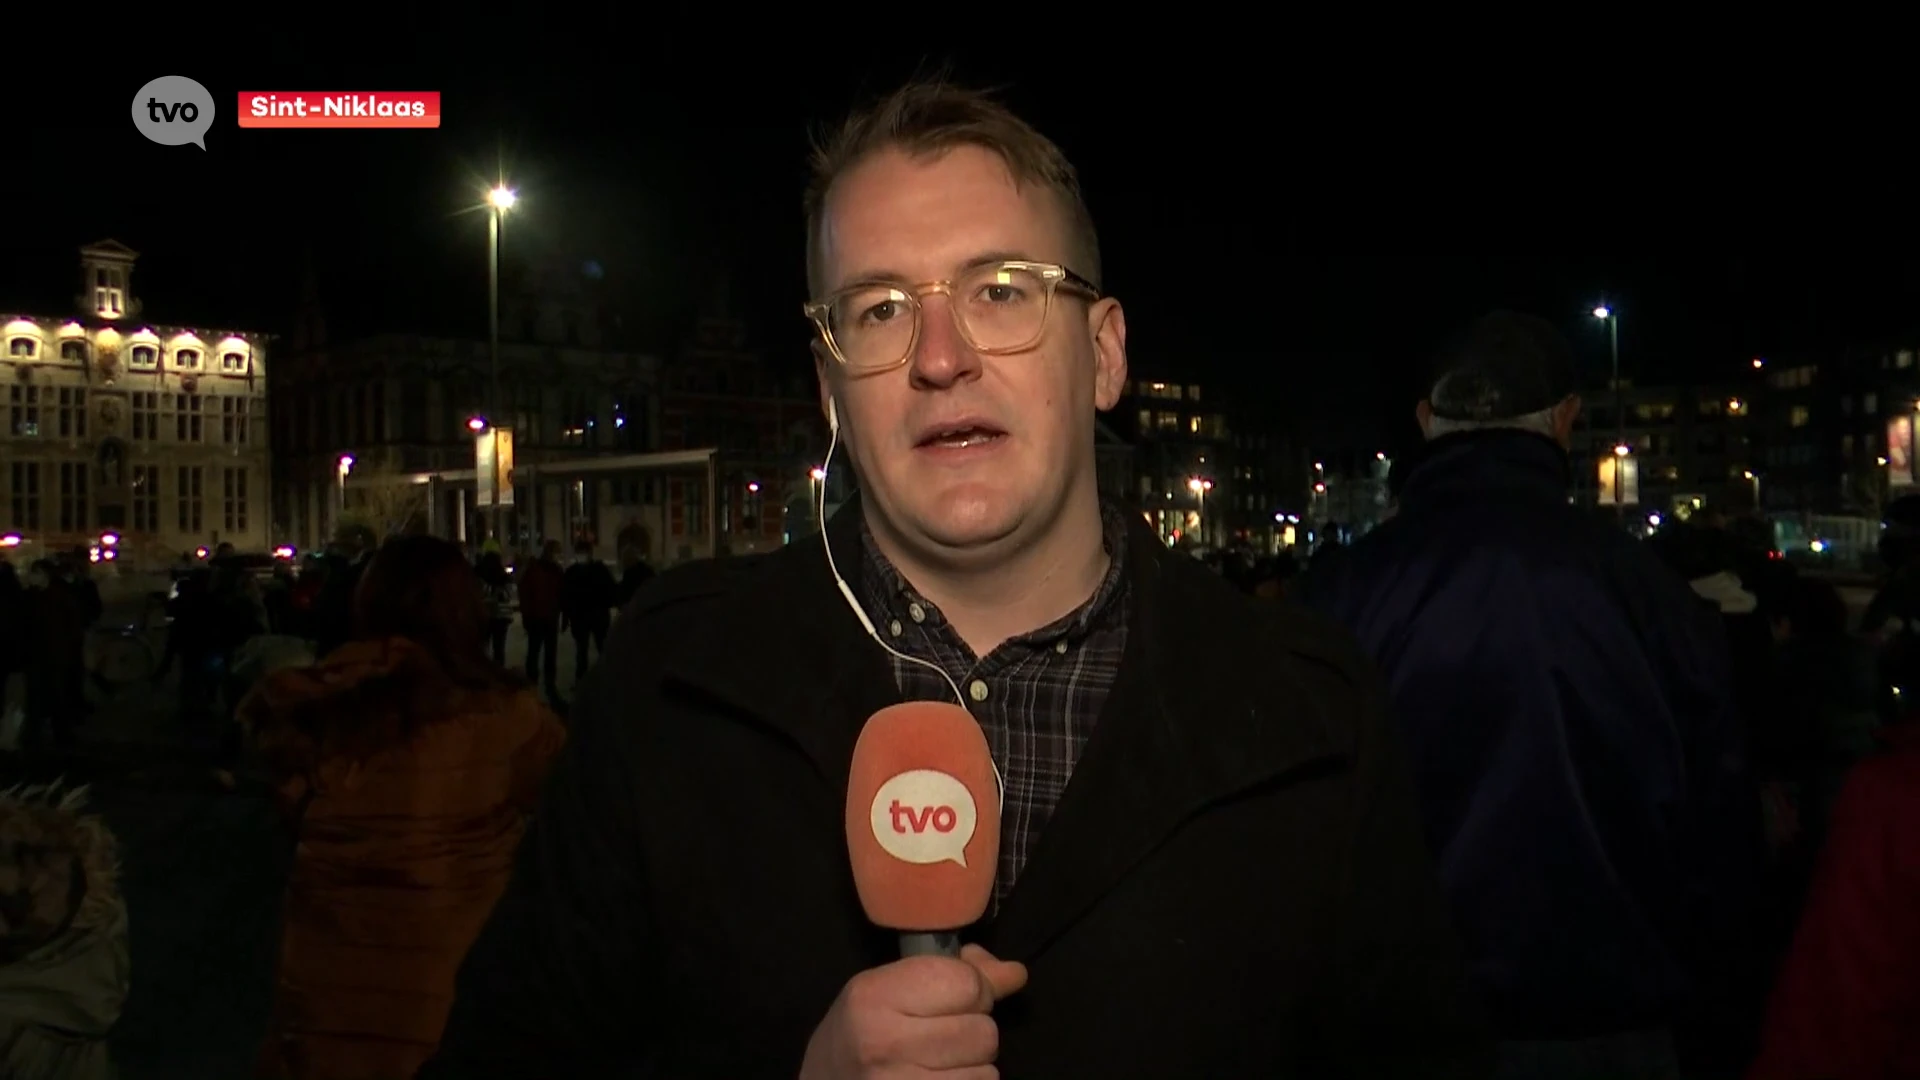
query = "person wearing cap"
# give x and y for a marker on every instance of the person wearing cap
(1568, 708)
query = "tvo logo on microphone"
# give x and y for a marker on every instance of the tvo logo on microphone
(924, 816)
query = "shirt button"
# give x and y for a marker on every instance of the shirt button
(1061, 647)
(894, 628)
(917, 613)
(977, 691)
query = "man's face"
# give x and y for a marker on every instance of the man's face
(916, 220)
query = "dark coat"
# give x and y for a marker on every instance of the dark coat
(1568, 708)
(1233, 885)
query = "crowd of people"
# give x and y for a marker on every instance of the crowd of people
(403, 752)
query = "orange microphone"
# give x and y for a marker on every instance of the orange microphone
(923, 823)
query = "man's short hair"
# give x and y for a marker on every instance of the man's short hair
(1540, 422)
(927, 118)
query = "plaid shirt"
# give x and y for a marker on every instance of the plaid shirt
(1037, 696)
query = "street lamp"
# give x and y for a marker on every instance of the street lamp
(499, 201)
(1754, 478)
(340, 470)
(1612, 319)
(816, 508)
(1200, 488)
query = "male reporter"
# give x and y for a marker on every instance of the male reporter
(1209, 864)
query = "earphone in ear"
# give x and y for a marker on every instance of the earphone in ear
(833, 417)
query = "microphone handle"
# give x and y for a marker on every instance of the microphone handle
(936, 944)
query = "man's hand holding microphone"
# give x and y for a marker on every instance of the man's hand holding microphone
(923, 831)
(919, 1016)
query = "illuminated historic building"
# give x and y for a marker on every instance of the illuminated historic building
(153, 435)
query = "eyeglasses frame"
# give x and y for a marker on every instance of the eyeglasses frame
(1053, 274)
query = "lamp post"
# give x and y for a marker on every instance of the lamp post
(340, 470)
(1612, 319)
(499, 201)
(1200, 487)
(816, 508)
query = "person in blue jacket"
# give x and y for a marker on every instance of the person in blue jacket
(1568, 707)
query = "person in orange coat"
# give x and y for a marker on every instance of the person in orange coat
(407, 762)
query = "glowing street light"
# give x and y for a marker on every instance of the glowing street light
(500, 200)
(1606, 314)
(1622, 450)
(1758, 363)
(476, 425)
(1200, 487)
(341, 469)
(817, 474)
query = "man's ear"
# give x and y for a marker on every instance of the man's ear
(1423, 415)
(1109, 326)
(1564, 415)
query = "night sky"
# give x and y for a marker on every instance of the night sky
(1264, 234)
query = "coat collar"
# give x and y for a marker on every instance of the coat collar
(1474, 464)
(1204, 708)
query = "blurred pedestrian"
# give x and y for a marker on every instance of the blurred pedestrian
(406, 763)
(1570, 716)
(64, 968)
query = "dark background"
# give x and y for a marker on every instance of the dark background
(1301, 237)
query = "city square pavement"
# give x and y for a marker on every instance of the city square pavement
(202, 872)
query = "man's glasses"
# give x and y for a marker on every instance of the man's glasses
(998, 308)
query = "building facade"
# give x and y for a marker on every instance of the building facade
(771, 437)
(1838, 430)
(393, 406)
(1209, 474)
(154, 435)
(604, 436)
(1687, 448)
(1183, 481)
